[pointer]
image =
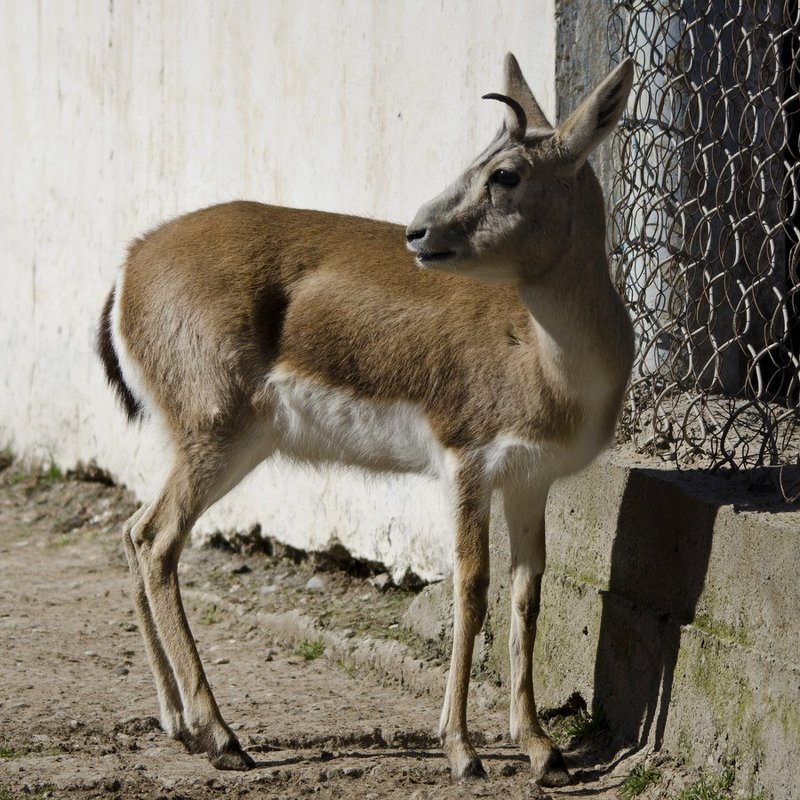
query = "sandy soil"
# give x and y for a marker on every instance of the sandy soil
(77, 702)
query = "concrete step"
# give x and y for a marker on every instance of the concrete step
(671, 603)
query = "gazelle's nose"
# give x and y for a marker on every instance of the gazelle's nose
(413, 234)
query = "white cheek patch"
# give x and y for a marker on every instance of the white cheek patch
(315, 422)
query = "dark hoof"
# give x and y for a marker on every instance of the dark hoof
(555, 771)
(232, 757)
(473, 771)
(191, 743)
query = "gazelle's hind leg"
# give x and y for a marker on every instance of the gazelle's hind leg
(154, 539)
(471, 583)
(524, 509)
(169, 698)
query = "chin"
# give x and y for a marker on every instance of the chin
(494, 271)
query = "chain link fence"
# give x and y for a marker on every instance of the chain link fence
(705, 224)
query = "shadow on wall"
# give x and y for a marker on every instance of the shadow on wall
(658, 563)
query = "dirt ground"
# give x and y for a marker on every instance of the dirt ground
(77, 702)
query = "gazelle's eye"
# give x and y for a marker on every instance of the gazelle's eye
(505, 177)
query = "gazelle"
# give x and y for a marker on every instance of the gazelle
(496, 357)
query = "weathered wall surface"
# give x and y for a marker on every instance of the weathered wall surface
(118, 115)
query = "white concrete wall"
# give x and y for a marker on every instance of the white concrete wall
(115, 115)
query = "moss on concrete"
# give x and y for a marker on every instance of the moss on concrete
(706, 622)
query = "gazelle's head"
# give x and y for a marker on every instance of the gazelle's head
(514, 212)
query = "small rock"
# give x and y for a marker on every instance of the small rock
(270, 656)
(89, 653)
(507, 770)
(129, 627)
(69, 524)
(325, 755)
(382, 582)
(121, 670)
(315, 584)
(242, 569)
(221, 660)
(353, 772)
(139, 767)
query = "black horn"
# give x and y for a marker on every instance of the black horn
(518, 130)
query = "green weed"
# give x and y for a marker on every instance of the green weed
(52, 474)
(309, 650)
(210, 616)
(714, 787)
(348, 669)
(638, 780)
(17, 477)
(581, 725)
(10, 753)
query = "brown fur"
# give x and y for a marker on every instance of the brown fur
(261, 284)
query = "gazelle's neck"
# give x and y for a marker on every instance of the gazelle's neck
(569, 307)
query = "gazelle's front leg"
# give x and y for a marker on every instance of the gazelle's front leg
(471, 582)
(524, 508)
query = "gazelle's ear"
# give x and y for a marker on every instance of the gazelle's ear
(517, 87)
(597, 115)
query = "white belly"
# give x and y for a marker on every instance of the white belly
(317, 423)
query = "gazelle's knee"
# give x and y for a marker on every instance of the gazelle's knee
(156, 539)
(127, 533)
(472, 592)
(526, 600)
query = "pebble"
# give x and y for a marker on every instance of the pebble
(382, 582)
(315, 584)
(139, 767)
(353, 772)
(129, 627)
(242, 569)
(121, 670)
(221, 660)
(89, 653)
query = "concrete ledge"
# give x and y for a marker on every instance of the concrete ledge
(670, 602)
